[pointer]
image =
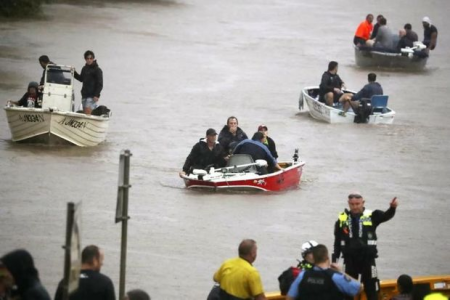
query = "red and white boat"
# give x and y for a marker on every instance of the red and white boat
(241, 174)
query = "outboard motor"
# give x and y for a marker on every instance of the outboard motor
(363, 111)
(295, 157)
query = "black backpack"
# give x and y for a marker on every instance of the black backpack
(287, 278)
(363, 111)
(101, 110)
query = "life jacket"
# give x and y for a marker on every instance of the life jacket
(319, 285)
(364, 239)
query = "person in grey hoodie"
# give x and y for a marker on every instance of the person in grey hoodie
(384, 39)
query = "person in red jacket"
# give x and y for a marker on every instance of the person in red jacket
(363, 31)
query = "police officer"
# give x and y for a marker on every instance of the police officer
(323, 281)
(356, 239)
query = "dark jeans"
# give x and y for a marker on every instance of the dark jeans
(358, 40)
(355, 266)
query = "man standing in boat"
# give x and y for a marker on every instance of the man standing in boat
(92, 78)
(238, 278)
(356, 239)
(206, 152)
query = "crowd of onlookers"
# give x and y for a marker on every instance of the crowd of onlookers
(381, 37)
(19, 279)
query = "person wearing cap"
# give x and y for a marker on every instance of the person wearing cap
(323, 281)
(269, 142)
(31, 98)
(256, 148)
(207, 152)
(231, 134)
(355, 238)
(430, 33)
(288, 276)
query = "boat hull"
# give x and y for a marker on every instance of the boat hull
(328, 114)
(365, 58)
(56, 127)
(288, 178)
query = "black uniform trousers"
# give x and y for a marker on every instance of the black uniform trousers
(356, 265)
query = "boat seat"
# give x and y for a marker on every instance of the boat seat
(241, 159)
(379, 103)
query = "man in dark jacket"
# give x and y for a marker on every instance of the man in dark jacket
(356, 239)
(269, 142)
(44, 60)
(369, 90)
(92, 285)
(231, 135)
(258, 150)
(206, 152)
(20, 268)
(92, 78)
(331, 85)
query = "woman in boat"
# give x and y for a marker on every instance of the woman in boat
(231, 135)
(31, 98)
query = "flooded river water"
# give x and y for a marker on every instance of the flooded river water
(174, 69)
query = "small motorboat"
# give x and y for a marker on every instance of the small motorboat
(241, 174)
(57, 122)
(379, 112)
(409, 58)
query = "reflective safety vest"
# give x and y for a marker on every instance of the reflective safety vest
(364, 238)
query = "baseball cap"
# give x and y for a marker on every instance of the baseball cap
(426, 20)
(211, 131)
(262, 127)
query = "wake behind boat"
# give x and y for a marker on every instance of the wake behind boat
(379, 114)
(57, 122)
(241, 174)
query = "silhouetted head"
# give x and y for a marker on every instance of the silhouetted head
(405, 284)
(137, 295)
(372, 77)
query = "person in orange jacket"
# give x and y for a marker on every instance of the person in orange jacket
(363, 31)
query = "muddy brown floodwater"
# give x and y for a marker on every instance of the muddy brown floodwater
(172, 70)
